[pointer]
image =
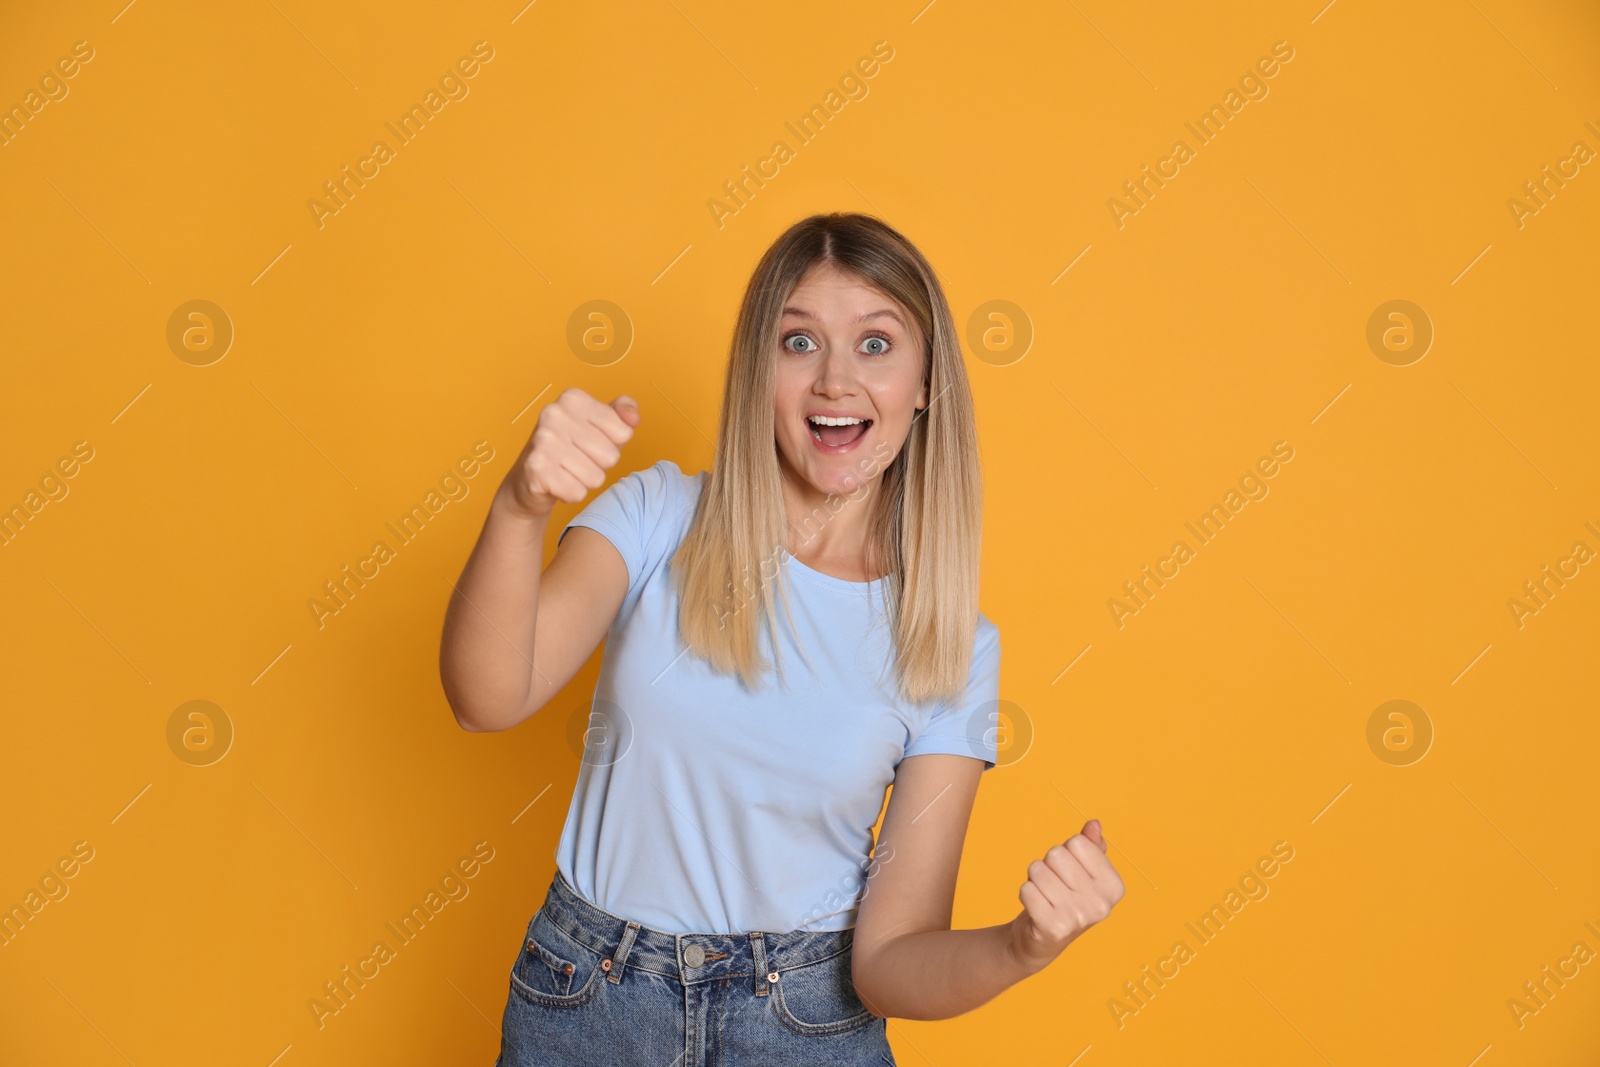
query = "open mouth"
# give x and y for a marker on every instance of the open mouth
(837, 432)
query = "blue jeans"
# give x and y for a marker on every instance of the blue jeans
(590, 987)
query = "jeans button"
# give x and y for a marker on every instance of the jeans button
(694, 955)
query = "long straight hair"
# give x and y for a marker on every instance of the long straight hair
(923, 534)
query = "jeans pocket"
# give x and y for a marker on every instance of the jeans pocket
(553, 969)
(819, 998)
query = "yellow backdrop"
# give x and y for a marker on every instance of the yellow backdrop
(1279, 318)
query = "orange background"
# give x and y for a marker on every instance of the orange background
(372, 352)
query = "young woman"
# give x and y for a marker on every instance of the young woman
(785, 637)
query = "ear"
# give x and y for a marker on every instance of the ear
(922, 397)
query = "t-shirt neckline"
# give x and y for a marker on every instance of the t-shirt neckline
(799, 569)
(811, 574)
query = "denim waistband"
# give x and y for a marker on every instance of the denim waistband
(689, 958)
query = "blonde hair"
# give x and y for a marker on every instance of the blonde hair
(924, 533)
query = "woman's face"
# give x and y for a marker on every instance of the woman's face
(850, 356)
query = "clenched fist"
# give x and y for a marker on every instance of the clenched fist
(1067, 892)
(577, 439)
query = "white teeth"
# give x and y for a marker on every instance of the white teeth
(824, 420)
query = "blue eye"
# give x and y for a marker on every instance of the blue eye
(882, 342)
(885, 343)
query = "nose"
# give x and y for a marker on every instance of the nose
(836, 374)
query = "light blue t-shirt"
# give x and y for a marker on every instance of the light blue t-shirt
(704, 807)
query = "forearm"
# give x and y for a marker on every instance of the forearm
(486, 651)
(938, 974)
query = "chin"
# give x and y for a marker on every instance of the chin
(842, 478)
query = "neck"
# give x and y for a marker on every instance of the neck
(828, 532)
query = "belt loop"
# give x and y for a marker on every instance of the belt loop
(758, 946)
(620, 956)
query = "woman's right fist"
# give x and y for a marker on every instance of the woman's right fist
(576, 440)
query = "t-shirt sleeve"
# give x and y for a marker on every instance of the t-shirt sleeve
(640, 514)
(967, 726)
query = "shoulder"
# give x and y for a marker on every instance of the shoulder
(661, 499)
(986, 638)
(667, 490)
(673, 481)
(644, 514)
(644, 510)
(983, 673)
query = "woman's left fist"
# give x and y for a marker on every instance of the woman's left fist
(1067, 892)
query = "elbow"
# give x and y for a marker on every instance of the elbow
(467, 720)
(471, 726)
(473, 719)
(893, 1003)
(870, 1002)
(471, 712)
(479, 718)
(860, 970)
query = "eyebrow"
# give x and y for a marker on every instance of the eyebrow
(804, 314)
